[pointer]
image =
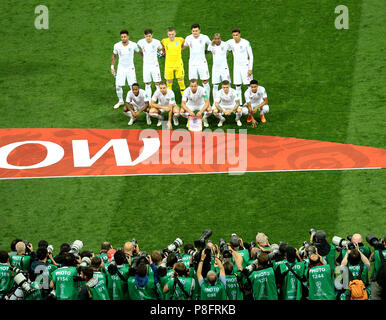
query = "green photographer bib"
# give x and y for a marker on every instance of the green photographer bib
(65, 287)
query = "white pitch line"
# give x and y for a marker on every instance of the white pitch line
(187, 173)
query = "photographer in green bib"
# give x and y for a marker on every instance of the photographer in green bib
(98, 267)
(320, 280)
(326, 250)
(23, 257)
(64, 279)
(180, 286)
(117, 275)
(358, 267)
(378, 275)
(212, 286)
(144, 281)
(105, 247)
(6, 278)
(262, 278)
(343, 245)
(291, 276)
(236, 244)
(234, 282)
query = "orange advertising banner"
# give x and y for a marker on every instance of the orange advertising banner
(49, 152)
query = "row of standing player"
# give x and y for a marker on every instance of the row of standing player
(171, 47)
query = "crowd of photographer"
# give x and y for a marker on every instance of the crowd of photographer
(203, 270)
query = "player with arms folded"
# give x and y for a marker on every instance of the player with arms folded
(198, 66)
(195, 98)
(137, 101)
(166, 103)
(126, 69)
(220, 70)
(174, 66)
(242, 60)
(151, 70)
(255, 100)
(227, 102)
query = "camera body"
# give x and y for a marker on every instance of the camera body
(376, 243)
(76, 247)
(341, 243)
(224, 249)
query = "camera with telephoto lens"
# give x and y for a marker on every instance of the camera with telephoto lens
(21, 280)
(200, 243)
(50, 249)
(376, 243)
(76, 246)
(86, 261)
(249, 269)
(224, 249)
(174, 245)
(341, 243)
(275, 253)
(312, 231)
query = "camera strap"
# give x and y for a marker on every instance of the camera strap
(177, 281)
(295, 274)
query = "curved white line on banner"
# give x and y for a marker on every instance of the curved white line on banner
(55, 153)
(150, 147)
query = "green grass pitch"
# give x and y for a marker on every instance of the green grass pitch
(322, 84)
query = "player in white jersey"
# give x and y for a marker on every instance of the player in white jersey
(126, 70)
(242, 60)
(195, 98)
(163, 100)
(255, 100)
(227, 102)
(151, 71)
(137, 101)
(220, 70)
(198, 66)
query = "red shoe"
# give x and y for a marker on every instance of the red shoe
(262, 118)
(249, 119)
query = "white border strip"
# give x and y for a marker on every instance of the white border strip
(188, 173)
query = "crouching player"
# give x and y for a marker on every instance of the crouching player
(195, 98)
(163, 100)
(137, 100)
(227, 102)
(255, 100)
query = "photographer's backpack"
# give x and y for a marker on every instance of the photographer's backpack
(356, 287)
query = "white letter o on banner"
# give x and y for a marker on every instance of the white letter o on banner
(55, 153)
